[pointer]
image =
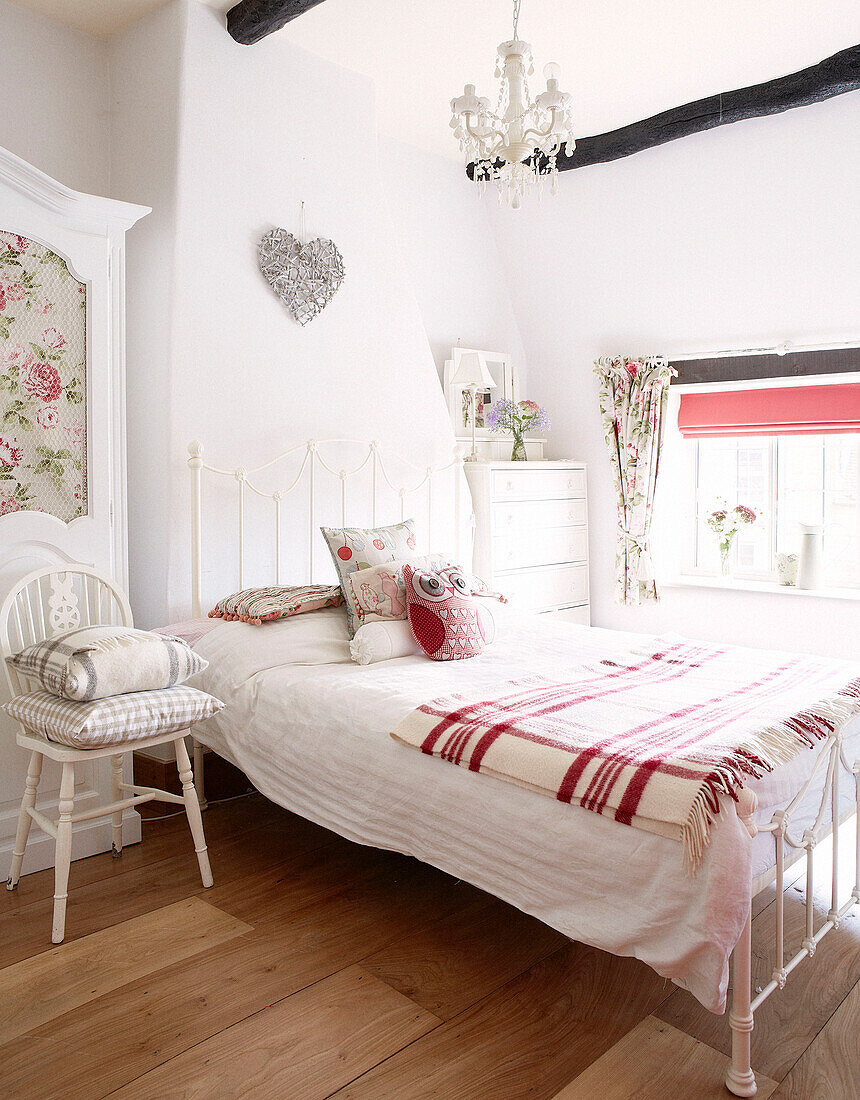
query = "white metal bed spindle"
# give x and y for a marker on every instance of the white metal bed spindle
(311, 458)
(740, 1078)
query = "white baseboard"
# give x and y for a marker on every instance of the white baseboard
(88, 839)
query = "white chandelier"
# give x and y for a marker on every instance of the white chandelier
(517, 144)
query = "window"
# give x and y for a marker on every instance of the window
(789, 479)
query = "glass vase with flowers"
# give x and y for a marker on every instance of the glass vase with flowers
(725, 522)
(517, 417)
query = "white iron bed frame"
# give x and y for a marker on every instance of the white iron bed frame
(740, 1078)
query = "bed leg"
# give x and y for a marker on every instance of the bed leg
(740, 1079)
(199, 776)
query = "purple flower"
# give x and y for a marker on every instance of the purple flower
(524, 416)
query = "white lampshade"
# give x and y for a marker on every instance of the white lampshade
(472, 371)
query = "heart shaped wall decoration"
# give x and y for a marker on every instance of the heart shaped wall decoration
(304, 276)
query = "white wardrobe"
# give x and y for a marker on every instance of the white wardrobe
(62, 427)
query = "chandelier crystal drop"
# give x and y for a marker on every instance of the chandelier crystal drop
(517, 144)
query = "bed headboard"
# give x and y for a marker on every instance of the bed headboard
(393, 487)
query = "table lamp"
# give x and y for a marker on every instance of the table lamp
(471, 375)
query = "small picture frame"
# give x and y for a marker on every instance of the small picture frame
(504, 374)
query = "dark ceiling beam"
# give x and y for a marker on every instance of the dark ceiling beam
(833, 76)
(251, 20)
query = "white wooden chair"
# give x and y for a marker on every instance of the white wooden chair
(46, 602)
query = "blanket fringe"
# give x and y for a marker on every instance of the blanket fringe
(769, 748)
(108, 645)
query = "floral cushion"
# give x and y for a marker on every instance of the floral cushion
(354, 548)
(93, 662)
(265, 605)
(380, 592)
(443, 616)
(121, 718)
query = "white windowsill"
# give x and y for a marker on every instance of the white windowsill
(735, 584)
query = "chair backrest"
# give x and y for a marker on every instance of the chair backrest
(51, 600)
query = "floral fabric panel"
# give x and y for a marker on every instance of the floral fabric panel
(354, 548)
(633, 396)
(43, 372)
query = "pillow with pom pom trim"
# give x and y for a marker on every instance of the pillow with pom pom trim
(267, 605)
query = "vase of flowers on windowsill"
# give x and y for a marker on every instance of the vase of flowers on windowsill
(725, 523)
(517, 418)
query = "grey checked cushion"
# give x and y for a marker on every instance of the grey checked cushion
(121, 718)
(93, 662)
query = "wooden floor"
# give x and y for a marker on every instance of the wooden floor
(318, 968)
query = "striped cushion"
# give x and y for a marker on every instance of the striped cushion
(264, 605)
(122, 718)
(93, 662)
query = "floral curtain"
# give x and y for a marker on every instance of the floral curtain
(633, 396)
(43, 377)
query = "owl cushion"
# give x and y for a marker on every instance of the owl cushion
(354, 548)
(442, 615)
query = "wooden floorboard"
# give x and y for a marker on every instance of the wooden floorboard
(317, 967)
(304, 1047)
(529, 1038)
(828, 1069)
(448, 966)
(162, 840)
(790, 1019)
(26, 929)
(164, 1014)
(655, 1061)
(71, 975)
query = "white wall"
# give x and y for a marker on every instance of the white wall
(250, 142)
(54, 96)
(449, 248)
(145, 92)
(743, 235)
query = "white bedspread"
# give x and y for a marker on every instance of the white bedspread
(314, 737)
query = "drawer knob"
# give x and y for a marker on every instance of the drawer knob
(510, 487)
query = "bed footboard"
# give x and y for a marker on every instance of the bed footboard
(740, 1079)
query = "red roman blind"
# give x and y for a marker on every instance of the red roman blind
(781, 410)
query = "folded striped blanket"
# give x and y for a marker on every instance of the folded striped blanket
(651, 736)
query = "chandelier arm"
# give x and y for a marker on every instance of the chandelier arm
(553, 125)
(496, 129)
(481, 139)
(538, 133)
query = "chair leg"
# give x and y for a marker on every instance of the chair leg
(28, 802)
(116, 795)
(63, 858)
(199, 775)
(192, 809)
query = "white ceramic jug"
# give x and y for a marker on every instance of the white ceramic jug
(809, 569)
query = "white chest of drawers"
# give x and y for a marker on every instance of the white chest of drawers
(531, 533)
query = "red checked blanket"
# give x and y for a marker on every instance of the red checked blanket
(652, 738)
